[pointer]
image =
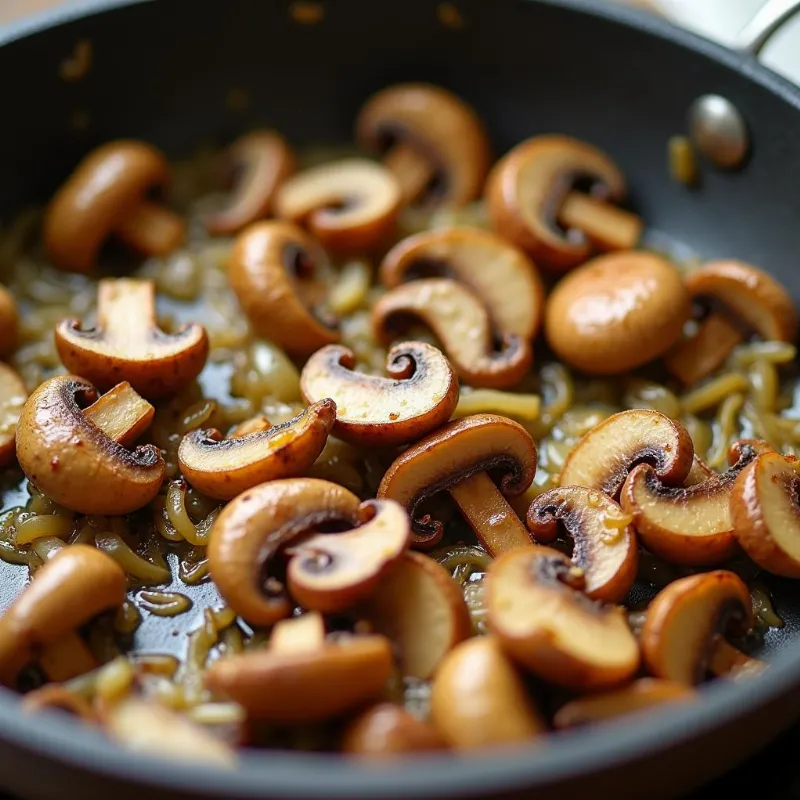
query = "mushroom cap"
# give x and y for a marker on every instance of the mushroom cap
(386, 730)
(616, 312)
(9, 322)
(13, 395)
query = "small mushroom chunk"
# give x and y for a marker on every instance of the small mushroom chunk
(351, 205)
(478, 700)
(419, 396)
(603, 458)
(261, 161)
(127, 344)
(604, 542)
(678, 633)
(535, 201)
(105, 195)
(9, 323)
(459, 458)
(13, 395)
(271, 271)
(460, 321)
(542, 619)
(223, 468)
(433, 142)
(387, 730)
(617, 312)
(76, 456)
(739, 300)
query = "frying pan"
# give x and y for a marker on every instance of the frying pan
(620, 79)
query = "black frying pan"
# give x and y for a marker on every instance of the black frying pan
(616, 78)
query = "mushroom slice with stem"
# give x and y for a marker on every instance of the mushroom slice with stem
(74, 454)
(459, 458)
(741, 299)
(433, 142)
(542, 619)
(105, 195)
(534, 200)
(223, 468)
(13, 395)
(272, 273)
(461, 323)
(351, 205)
(419, 396)
(677, 637)
(603, 540)
(606, 454)
(127, 344)
(386, 730)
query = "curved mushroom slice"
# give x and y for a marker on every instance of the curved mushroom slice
(456, 458)
(127, 344)
(223, 468)
(532, 199)
(349, 205)
(419, 396)
(500, 274)
(681, 623)
(604, 542)
(542, 619)
(386, 730)
(263, 161)
(73, 454)
(434, 143)
(461, 323)
(13, 395)
(271, 271)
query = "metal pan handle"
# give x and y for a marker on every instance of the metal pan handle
(768, 21)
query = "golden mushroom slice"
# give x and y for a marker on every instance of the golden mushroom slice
(223, 468)
(419, 395)
(603, 458)
(105, 195)
(9, 323)
(542, 619)
(13, 395)
(459, 458)
(460, 321)
(534, 200)
(272, 273)
(126, 344)
(351, 205)
(683, 620)
(433, 142)
(75, 454)
(604, 543)
(386, 730)
(740, 300)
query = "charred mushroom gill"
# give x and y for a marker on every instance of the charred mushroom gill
(460, 321)
(13, 395)
(419, 395)
(387, 730)
(105, 195)
(127, 344)
(433, 142)
(534, 201)
(459, 458)
(223, 468)
(740, 300)
(78, 456)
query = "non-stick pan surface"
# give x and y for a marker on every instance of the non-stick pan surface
(162, 71)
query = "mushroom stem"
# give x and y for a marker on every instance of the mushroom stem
(151, 229)
(606, 226)
(121, 414)
(126, 311)
(411, 168)
(692, 360)
(728, 661)
(66, 658)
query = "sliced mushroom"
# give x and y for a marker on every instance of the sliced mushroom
(542, 619)
(257, 424)
(105, 195)
(262, 161)
(461, 323)
(742, 300)
(386, 730)
(603, 540)
(434, 143)
(73, 454)
(127, 344)
(9, 323)
(419, 396)
(351, 205)
(617, 312)
(534, 203)
(13, 395)
(603, 458)
(223, 468)
(456, 458)
(699, 472)
(271, 271)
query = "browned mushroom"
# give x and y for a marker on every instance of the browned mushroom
(534, 201)
(9, 323)
(386, 730)
(257, 424)
(419, 396)
(13, 395)
(106, 194)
